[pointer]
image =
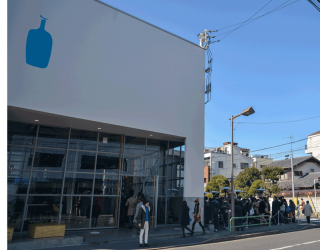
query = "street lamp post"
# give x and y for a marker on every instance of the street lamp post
(246, 112)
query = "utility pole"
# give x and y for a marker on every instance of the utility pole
(292, 172)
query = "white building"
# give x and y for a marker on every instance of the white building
(219, 160)
(260, 161)
(313, 145)
(98, 101)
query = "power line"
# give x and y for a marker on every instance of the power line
(314, 5)
(278, 145)
(280, 122)
(245, 21)
(254, 19)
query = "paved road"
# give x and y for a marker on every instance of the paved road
(301, 240)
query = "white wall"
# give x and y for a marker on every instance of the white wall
(226, 158)
(313, 146)
(109, 67)
(262, 161)
(307, 166)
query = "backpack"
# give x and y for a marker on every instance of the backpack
(282, 208)
(288, 209)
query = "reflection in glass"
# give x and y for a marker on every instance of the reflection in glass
(161, 210)
(107, 163)
(80, 161)
(17, 182)
(15, 211)
(103, 212)
(78, 184)
(152, 165)
(135, 146)
(49, 159)
(173, 209)
(84, 140)
(21, 133)
(52, 137)
(156, 148)
(46, 183)
(109, 143)
(42, 209)
(162, 186)
(163, 168)
(106, 184)
(133, 165)
(19, 158)
(76, 211)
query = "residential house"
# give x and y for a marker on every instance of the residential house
(301, 166)
(219, 160)
(313, 145)
(260, 161)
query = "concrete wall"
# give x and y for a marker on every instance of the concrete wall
(313, 146)
(110, 67)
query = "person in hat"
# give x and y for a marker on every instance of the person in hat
(197, 216)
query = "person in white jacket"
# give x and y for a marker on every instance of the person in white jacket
(308, 211)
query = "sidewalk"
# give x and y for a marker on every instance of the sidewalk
(168, 236)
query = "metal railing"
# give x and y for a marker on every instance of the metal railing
(250, 217)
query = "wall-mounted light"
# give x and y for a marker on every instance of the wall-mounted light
(99, 128)
(151, 134)
(36, 120)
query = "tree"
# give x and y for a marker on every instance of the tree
(255, 185)
(272, 173)
(245, 179)
(217, 182)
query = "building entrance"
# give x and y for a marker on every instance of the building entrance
(138, 186)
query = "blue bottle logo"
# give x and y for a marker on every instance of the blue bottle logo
(39, 45)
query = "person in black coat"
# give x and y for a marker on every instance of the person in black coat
(142, 218)
(293, 210)
(275, 210)
(238, 213)
(215, 207)
(185, 219)
(262, 210)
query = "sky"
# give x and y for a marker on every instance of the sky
(271, 64)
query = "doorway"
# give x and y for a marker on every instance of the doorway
(138, 185)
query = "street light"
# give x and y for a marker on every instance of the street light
(246, 112)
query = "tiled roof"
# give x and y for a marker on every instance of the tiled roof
(306, 181)
(315, 133)
(287, 163)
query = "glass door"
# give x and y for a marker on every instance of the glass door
(138, 186)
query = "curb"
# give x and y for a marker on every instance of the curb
(238, 237)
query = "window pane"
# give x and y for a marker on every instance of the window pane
(42, 209)
(135, 145)
(46, 183)
(103, 212)
(84, 140)
(174, 148)
(107, 163)
(109, 143)
(162, 187)
(21, 133)
(106, 184)
(163, 168)
(15, 211)
(19, 158)
(173, 189)
(156, 148)
(76, 211)
(17, 182)
(133, 165)
(152, 165)
(53, 137)
(78, 183)
(173, 209)
(161, 210)
(80, 161)
(49, 159)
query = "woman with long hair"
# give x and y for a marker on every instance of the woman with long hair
(185, 219)
(197, 216)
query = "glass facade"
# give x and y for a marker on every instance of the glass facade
(83, 178)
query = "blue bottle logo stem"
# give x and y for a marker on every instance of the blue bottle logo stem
(39, 46)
